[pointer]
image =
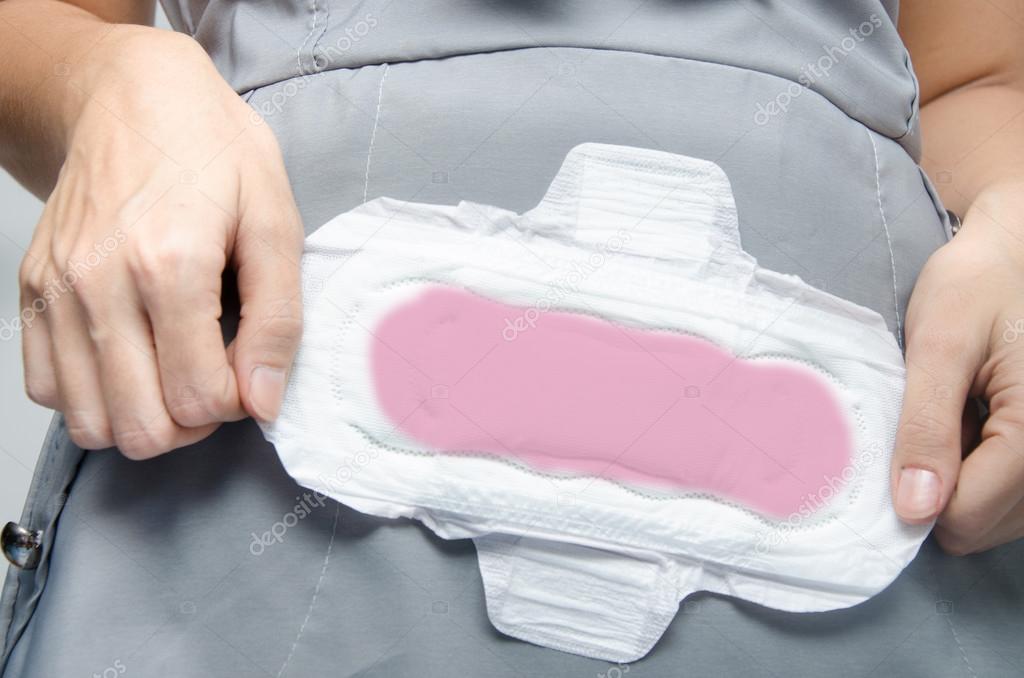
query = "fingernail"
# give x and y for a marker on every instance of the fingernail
(266, 389)
(917, 494)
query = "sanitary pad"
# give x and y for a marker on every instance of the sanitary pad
(608, 395)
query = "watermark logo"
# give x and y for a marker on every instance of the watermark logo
(116, 669)
(303, 508)
(830, 488)
(57, 287)
(324, 56)
(617, 671)
(1013, 330)
(352, 466)
(567, 284)
(816, 71)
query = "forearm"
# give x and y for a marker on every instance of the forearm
(48, 51)
(162, 161)
(969, 59)
(974, 139)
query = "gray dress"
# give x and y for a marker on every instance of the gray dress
(211, 561)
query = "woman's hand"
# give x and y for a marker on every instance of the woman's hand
(169, 178)
(965, 339)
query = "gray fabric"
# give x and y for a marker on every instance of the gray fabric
(153, 567)
(255, 42)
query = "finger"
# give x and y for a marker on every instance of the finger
(37, 355)
(970, 426)
(267, 255)
(180, 287)
(40, 377)
(142, 426)
(991, 481)
(941, 363)
(1010, 528)
(78, 375)
(33, 280)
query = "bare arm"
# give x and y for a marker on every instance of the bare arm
(157, 178)
(966, 314)
(969, 58)
(45, 52)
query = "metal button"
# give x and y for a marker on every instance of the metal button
(954, 222)
(21, 547)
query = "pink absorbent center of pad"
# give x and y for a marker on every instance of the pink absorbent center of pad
(567, 393)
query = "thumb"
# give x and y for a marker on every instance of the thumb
(270, 327)
(926, 462)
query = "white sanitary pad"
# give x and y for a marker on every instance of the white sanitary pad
(608, 395)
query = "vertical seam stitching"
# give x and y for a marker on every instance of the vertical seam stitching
(298, 52)
(373, 132)
(963, 652)
(316, 592)
(888, 240)
(320, 36)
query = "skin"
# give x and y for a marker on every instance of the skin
(157, 177)
(140, 148)
(961, 326)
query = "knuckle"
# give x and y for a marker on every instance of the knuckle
(60, 252)
(265, 142)
(143, 442)
(1007, 427)
(955, 542)
(1008, 406)
(30, 275)
(201, 401)
(94, 299)
(961, 528)
(41, 391)
(189, 412)
(948, 270)
(926, 432)
(38, 286)
(87, 431)
(152, 261)
(967, 524)
(89, 289)
(192, 409)
(278, 331)
(939, 343)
